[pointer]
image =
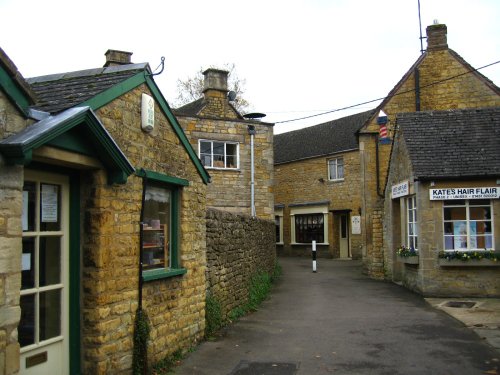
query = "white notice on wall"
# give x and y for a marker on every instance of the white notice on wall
(26, 262)
(49, 203)
(400, 190)
(25, 210)
(356, 224)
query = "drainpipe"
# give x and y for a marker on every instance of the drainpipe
(251, 131)
(417, 90)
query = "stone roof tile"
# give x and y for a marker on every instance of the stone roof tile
(452, 144)
(320, 140)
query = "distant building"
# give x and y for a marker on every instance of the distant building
(442, 202)
(222, 138)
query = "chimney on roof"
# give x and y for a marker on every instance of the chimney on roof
(215, 80)
(437, 37)
(114, 57)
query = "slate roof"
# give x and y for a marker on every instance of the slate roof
(58, 92)
(452, 144)
(319, 140)
(191, 109)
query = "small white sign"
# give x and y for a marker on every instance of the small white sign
(400, 190)
(25, 210)
(49, 204)
(464, 193)
(148, 113)
(356, 224)
(26, 262)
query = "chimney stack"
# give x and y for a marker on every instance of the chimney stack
(114, 58)
(437, 37)
(215, 79)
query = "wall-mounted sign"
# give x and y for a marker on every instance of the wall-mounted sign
(400, 190)
(356, 224)
(147, 113)
(49, 204)
(464, 193)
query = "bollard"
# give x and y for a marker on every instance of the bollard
(314, 255)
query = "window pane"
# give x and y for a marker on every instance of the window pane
(28, 263)
(29, 203)
(156, 230)
(479, 213)
(50, 314)
(26, 328)
(218, 148)
(340, 171)
(205, 147)
(206, 160)
(448, 228)
(231, 162)
(50, 260)
(455, 213)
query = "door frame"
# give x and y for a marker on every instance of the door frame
(347, 215)
(74, 261)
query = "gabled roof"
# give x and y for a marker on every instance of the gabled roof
(97, 87)
(417, 63)
(319, 140)
(452, 144)
(76, 128)
(14, 85)
(58, 92)
(195, 109)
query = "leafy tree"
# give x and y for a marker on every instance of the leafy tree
(191, 88)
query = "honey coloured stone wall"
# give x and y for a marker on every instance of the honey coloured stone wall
(306, 181)
(446, 81)
(11, 186)
(238, 246)
(230, 189)
(110, 248)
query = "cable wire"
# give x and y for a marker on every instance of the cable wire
(388, 96)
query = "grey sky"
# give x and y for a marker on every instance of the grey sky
(298, 57)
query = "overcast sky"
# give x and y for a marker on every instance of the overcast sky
(298, 57)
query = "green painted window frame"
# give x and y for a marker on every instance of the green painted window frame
(175, 185)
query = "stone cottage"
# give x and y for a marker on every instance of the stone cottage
(100, 189)
(226, 143)
(326, 205)
(442, 203)
(439, 80)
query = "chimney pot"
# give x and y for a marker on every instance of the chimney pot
(115, 57)
(215, 79)
(437, 37)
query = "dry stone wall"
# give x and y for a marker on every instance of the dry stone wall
(238, 246)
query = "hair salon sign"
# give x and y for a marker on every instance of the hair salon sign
(464, 193)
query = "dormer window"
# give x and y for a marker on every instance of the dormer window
(219, 154)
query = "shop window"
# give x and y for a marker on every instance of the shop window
(309, 227)
(219, 154)
(467, 225)
(160, 227)
(411, 223)
(336, 169)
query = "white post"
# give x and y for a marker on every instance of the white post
(314, 255)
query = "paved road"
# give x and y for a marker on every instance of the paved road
(338, 321)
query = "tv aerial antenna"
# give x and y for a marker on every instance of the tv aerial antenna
(420, 26)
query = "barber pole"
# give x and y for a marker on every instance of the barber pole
(314, 255)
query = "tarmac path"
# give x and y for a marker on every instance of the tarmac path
(339, 321)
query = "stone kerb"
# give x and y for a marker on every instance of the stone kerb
(238, 246)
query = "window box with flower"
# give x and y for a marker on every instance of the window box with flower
(478, 258)
(407, 255)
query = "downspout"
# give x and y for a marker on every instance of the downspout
(251, 131)
(417, 90)
(377, 164)
(141, 234)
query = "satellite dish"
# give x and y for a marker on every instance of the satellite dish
(231, 96)
(254, 116)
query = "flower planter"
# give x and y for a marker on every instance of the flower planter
(468, 263)
(409, 260)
